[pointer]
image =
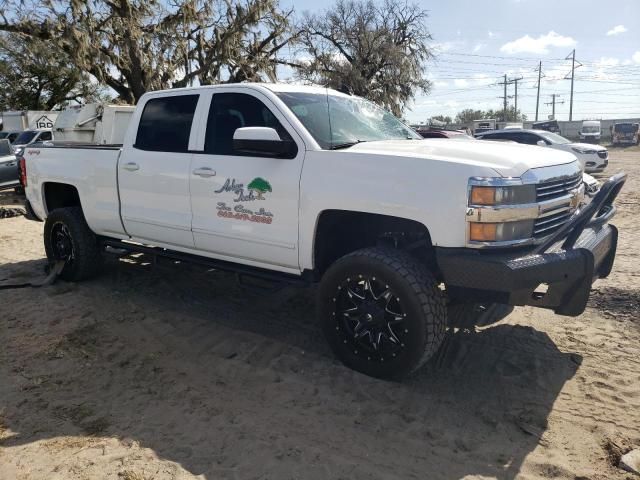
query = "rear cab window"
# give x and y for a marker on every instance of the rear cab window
(165, 124)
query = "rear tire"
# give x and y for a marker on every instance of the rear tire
(382, 312)
(68, 237)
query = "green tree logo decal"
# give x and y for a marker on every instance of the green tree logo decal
(259, 185)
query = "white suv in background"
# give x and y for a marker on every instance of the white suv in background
(594, 158)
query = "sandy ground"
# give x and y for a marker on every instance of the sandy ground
(170, 371)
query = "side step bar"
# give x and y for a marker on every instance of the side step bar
(242, 270)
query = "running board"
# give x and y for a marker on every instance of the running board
(242, 270)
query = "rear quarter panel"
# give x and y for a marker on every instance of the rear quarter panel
(92, 171)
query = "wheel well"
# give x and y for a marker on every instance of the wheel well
(340, 232)
(59, 195)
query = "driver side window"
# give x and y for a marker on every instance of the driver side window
(230, 111)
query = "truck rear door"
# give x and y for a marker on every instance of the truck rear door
(246, 206)
(153, 171)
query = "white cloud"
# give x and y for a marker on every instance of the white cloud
(491, 34)
(439, 83)
(460, 82)
(636, 57)
(618, 29)
(478, 47)
(541, 44)
(441, 47)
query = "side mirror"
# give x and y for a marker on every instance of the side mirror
(262, 142)
(541, 143)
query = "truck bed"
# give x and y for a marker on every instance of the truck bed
(93, 171)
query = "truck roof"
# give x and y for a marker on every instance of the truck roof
(274, 87)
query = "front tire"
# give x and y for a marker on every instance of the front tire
(382, 312)
(68, 238)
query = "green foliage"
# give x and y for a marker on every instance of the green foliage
(375, 50)
(442, 118)
(134, 46)
(468, 115)
(35, 78)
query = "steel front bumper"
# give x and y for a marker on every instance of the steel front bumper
(557, 274)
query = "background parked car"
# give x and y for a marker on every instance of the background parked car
(8, 166)
(440, 133)
(591, 131)
(9, 135)
(28, 137)
(594, 158)
(548, 125)
(625, 133)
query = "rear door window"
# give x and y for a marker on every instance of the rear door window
(45, 136)
(165, 124)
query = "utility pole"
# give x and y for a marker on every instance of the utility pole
(506, 82)
(504, 111)
(553, 104)
(538, 95)
(573, 72)
(515, 81)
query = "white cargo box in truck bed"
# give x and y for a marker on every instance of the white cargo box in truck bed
(93, 123)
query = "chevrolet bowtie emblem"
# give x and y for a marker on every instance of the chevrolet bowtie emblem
(575, 199)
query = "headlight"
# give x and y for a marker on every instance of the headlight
(500, 210)
(583, 150)
(500, 232)
(495, 195)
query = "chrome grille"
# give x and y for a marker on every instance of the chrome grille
(544, 226)
(548, 190)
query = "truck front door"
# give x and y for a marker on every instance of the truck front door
(246, 207)
(153, 172)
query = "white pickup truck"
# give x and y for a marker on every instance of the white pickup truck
(405, 236)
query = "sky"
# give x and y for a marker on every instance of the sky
(477, 42)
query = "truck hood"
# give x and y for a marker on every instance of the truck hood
(506, 159)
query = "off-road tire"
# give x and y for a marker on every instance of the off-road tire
(415, 288)
(87, 258)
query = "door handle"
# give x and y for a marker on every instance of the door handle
(131, 166)
(205, 172)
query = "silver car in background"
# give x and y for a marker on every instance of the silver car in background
(8, 166)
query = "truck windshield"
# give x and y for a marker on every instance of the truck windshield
(590, 129)
(341, 121)
(625, 128)
(554, 138)
(25, 137)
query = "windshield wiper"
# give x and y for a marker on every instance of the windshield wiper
(339, 146)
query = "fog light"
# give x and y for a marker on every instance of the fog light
(483, 232)
(500, 232)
